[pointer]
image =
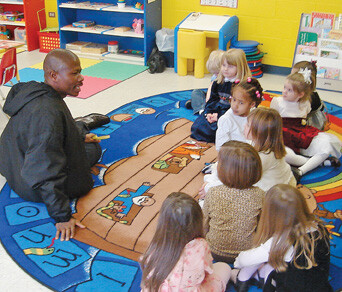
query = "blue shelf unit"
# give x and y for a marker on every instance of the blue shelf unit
(111, 16)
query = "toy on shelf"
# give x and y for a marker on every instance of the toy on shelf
(139, 6)
(132, 52)
(12, 16)
(138, 25)
(20, 34)
(121, 3)
(4, 33)
(83, 23)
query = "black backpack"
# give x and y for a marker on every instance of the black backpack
(156, 62)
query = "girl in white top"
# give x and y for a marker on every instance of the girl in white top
(264, 129)
(307, 147)
(290, 240)
(246, 95)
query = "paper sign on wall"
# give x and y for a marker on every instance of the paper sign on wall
(223, 3)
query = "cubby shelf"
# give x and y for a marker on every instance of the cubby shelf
(323, 44)
(31, 9)
(108, 14)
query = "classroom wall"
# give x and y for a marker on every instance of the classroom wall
(274, 23)
(51, 6)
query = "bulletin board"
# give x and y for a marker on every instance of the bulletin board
(222, 3)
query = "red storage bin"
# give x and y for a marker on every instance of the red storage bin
(48, 41)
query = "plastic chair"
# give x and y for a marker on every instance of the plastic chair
(8, 68)
(192, 45)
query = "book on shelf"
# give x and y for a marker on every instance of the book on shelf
(321, 72)
(338, 22)
(330, 44)
(76, 45)
(328, 73)
(322, 20)
(83, 23)
(306, 20)
(97, 28)
(332, 73)
(307, 50)
(308, 38)
(316, 30)
(329, 54)
(94, 48)
(335, 34)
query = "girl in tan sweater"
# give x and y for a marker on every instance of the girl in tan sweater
(231, 210)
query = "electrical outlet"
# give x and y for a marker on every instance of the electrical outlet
(52, 14)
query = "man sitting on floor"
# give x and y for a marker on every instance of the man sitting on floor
(44, 154)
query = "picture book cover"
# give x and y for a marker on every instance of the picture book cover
(332, 73)
(83, 23)
(329, 54)
(322, 20)
(321, 72)
(308, 38)
(307, 50)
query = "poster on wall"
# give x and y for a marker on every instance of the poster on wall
(222, 3)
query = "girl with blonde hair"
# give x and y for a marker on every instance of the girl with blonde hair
(291, 247)
(307, 147)
(233, 66)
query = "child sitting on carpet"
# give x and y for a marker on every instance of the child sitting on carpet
(264, 129)
(178, 257)
(307, 147)
(317, 117)
(233, 66)
(231, 210)
(246, 95)
(291, 246)
(198, 96)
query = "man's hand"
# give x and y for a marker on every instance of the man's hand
(89, 138)
(67, 230)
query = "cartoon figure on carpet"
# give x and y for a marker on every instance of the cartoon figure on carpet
(181, 156)
(125, 206)
(126, 117)
(320, 211)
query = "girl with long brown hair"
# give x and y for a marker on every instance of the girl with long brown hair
(178, 257)
(291, 246)
(264, 130)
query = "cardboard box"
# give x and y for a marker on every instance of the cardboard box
(76, 45)
(94, 48)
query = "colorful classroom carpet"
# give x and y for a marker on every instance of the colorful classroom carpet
(149, 153)
(98, 75)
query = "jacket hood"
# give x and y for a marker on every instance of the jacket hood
(21, 94)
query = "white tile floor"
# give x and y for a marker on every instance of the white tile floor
(12, 277)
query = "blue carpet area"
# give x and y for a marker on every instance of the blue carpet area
(27, 231)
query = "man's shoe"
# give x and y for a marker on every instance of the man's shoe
(207, 168)
(188, 104)
(93, 121)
